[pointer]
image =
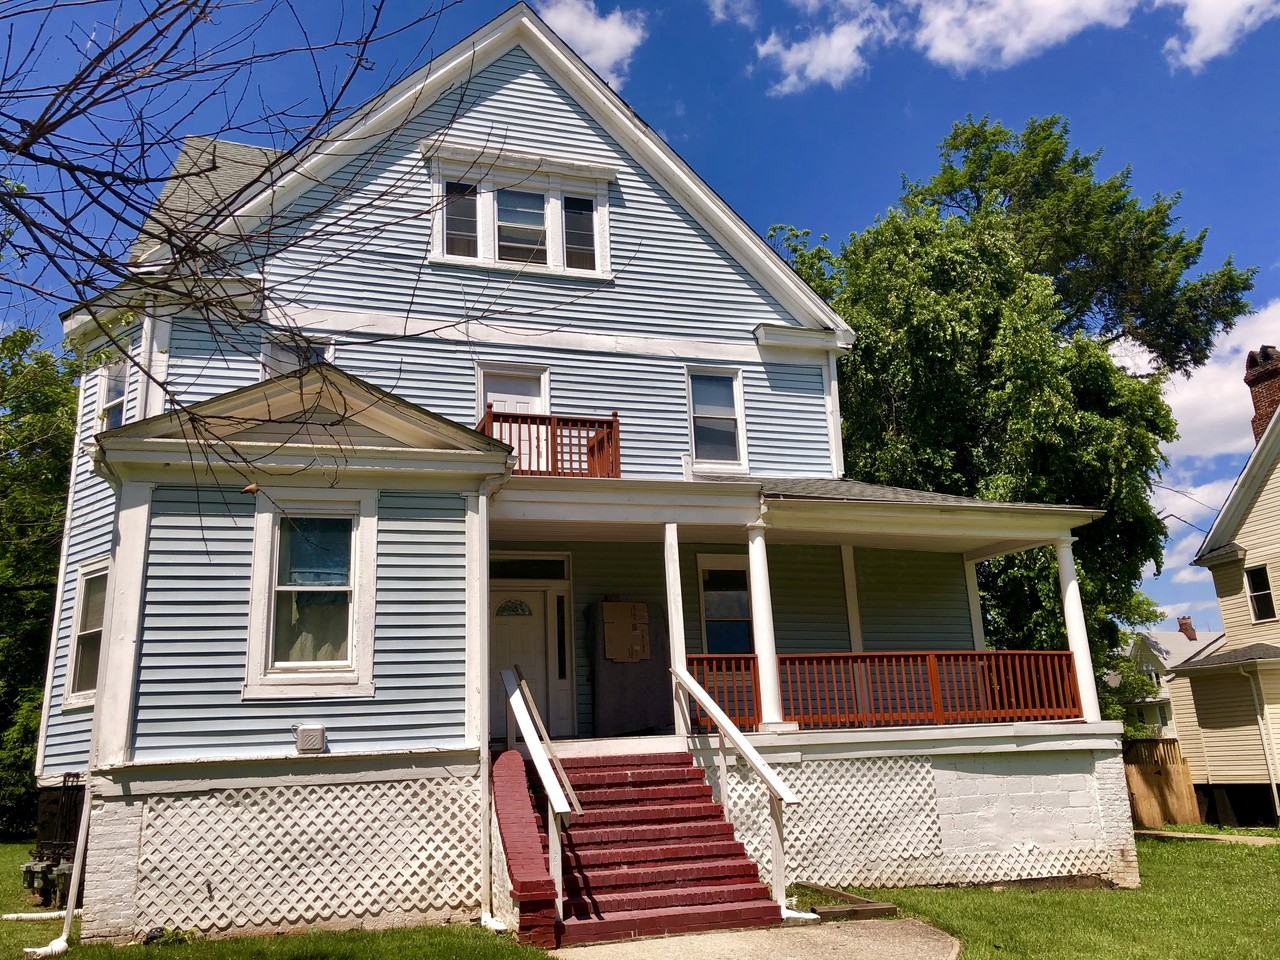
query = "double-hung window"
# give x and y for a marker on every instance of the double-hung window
(311, 626)
(522, 226)
(716, 419)
(112, 388)
(1261, 603)
(86, 639)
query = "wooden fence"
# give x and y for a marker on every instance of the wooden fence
(1160, 789)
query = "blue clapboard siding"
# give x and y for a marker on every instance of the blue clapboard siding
(913, 600)
(360, 240)
(195, 634)
(90, 530)
(209, 357)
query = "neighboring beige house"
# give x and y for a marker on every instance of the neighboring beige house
(1226, 699)
(1157, 652)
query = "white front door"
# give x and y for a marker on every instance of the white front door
(517, 637)
(514, 392)
(521, 395)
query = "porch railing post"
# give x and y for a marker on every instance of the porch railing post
(675, 618)
(779, 851)
(1077, 633)
(762, 633)
(555, 858)
(935, 688)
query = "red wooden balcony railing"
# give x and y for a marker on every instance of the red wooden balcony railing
(556, 446)
(732, 682)
(827, 691)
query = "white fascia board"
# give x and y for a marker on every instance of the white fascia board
(778, 336)
(82, 321)
(1000, 524)
(300, 464)
(519, 26)
(627, 501)
(1243, 492)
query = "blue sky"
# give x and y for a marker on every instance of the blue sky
(810, 112)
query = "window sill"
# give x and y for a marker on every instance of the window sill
(530, 269)
(735, 468)
(78, 701)
(300, 686)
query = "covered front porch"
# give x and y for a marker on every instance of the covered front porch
(794, 608)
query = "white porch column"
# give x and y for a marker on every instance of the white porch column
(1077, 634)
(675, 615)
(762, 633)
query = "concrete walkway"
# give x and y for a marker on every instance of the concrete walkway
(863, 940)
(1219, 837)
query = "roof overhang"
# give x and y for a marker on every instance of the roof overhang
(82, 321)
(779, 337)
(1243, 493)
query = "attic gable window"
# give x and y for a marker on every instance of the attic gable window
(520, 213)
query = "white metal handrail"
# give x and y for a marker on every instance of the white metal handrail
(562, 801)
(780, 794)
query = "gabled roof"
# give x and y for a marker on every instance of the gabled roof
(520, 26)
(1243, 494)
(321, 405)
(1172, 647)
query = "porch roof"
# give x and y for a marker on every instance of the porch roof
(1253, 653)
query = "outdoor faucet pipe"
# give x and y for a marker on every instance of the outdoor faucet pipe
(58, 946)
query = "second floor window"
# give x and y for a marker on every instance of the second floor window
(460, 224)
(714, 403)
(522, 227)
(1261, 603)
(114, 385)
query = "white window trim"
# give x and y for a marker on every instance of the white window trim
(493, 176)
(89, 568)
(742, 464)
(122, 403)
(483, 369)
(720, 561)
(1249, 593)
(352, 679)
(268, 342)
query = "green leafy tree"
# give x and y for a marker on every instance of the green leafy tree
(37, 432)
(1120, 268)
(962, 381)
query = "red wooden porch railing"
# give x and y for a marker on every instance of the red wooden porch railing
(732, 682)
(556, 446)
(826, 691)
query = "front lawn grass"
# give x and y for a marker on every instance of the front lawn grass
(1273, 832)
(1198, 901)
(14, 935)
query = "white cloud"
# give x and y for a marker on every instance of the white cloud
(606, 41)
(1213, 408)
(998, 33)
(832, 54)
(1193, 575)
(1213, 27)
(1172, 611)
(980, 34)
(742, 12)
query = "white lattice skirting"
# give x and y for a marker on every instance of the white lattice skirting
(285, 856)
(907, 820)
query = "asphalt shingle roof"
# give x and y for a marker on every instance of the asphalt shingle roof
(206, 173)
(825, 488)
(1254, 651)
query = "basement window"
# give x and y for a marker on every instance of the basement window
(1261, 604)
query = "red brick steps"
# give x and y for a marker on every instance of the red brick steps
(651, 854)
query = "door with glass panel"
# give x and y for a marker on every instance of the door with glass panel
(519, 403)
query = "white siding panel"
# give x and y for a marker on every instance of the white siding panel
(1229, 729)
(208, 358)
(1187, 725)
(195, 634)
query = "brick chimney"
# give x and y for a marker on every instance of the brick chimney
(1186, 629)
(1262, 375)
